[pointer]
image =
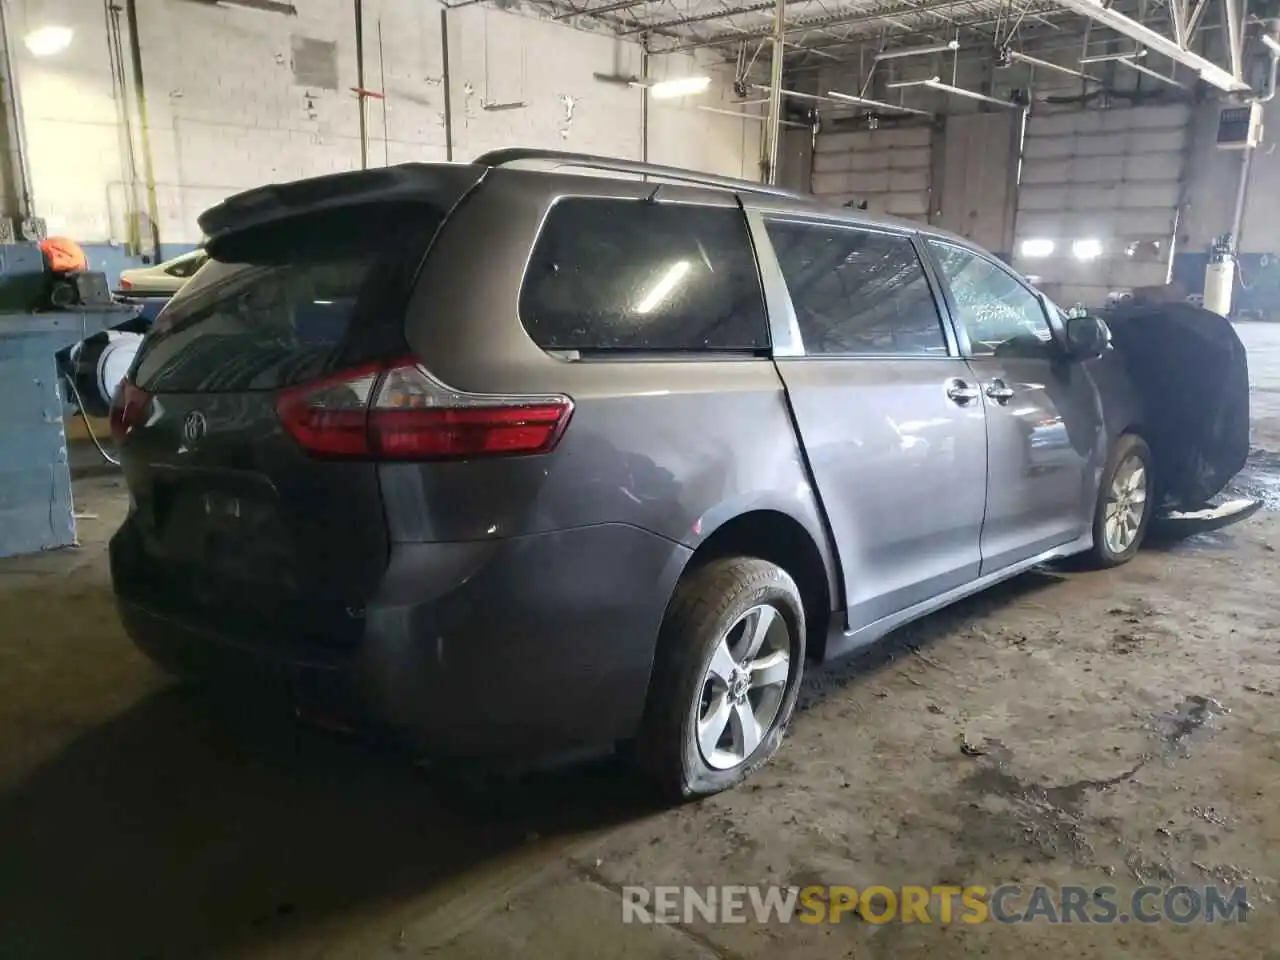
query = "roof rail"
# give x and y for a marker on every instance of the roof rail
(500, 158)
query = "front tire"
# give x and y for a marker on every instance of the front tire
(726, 677)
(1125, 503)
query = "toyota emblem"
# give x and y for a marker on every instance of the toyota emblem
(194, 427)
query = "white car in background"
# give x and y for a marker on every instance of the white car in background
(162, 279)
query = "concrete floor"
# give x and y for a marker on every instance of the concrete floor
(140, 821)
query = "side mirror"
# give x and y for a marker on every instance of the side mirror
(1087, 338)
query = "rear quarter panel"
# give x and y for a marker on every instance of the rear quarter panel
(674, 446)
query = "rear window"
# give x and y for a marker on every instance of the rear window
(616, 275)
(287, 303)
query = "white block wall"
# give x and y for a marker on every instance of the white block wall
(226, 114)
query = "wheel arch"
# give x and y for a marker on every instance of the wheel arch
(778, 536)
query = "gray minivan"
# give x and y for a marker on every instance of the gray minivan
(516, 461)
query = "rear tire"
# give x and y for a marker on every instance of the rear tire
(730, 657)
(1120, 519)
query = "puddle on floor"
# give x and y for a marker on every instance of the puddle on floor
(1259, 480)
(1177, 727)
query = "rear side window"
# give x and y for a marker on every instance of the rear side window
(615, 275)
(856, 291)
(290, 302)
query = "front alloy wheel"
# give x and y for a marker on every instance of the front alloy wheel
(1126, 504)
(1123, 509)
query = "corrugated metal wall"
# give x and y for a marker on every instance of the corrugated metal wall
(889, 168)
(979, 162)
(1114, 176)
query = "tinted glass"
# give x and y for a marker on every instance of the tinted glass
(856, 291)
(288, 304)
(611, 274)
(187, 266)
(1001, 316)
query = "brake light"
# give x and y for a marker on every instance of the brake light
(126, 283)
(129, 407)
(399, 411)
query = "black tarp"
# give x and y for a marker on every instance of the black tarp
(1191, 372)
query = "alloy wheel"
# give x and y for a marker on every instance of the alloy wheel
(1126, 504)
(742, 690)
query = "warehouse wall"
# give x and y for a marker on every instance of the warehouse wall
(237, 98)
(1216, 176)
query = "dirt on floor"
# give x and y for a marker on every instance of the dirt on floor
(1096, 730)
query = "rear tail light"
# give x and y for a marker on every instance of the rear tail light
(129, 407)
(400, 412)
(126, 283)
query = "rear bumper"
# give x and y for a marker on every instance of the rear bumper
(540, 643)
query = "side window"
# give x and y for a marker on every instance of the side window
(187, 266)
(1001, 316)
(856, 291)
(611, 274)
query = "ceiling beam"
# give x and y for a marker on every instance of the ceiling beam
(604, 8)
(819, 23)
(1209, 71)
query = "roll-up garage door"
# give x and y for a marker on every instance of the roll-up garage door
(1098, 199)
(889, 168)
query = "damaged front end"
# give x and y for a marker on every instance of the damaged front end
(1191, 375)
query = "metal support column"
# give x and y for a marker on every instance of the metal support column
(362, 97)
(444, 83)
(16, 171)
(774, 128)
(644, 103)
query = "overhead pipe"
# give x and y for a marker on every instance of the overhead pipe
(1209, 71)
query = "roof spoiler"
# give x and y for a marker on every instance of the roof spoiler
(279, 202)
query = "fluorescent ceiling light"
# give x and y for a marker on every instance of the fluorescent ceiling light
(1109, 57)
(1037, 247)
(901, 84)
(666, 283)
(46, 41)
(259, 6)
(1086, 249)
(680, 87)
(1048, 65)
(918, 51)
(743, 115)
(1134, 65)
(876, 104)
(933, 83)
(974, 95)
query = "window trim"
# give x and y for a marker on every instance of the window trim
(928, 242)
(945, 325)
(723, 355)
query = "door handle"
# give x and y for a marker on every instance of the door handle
(999, 391)
(960, 392)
